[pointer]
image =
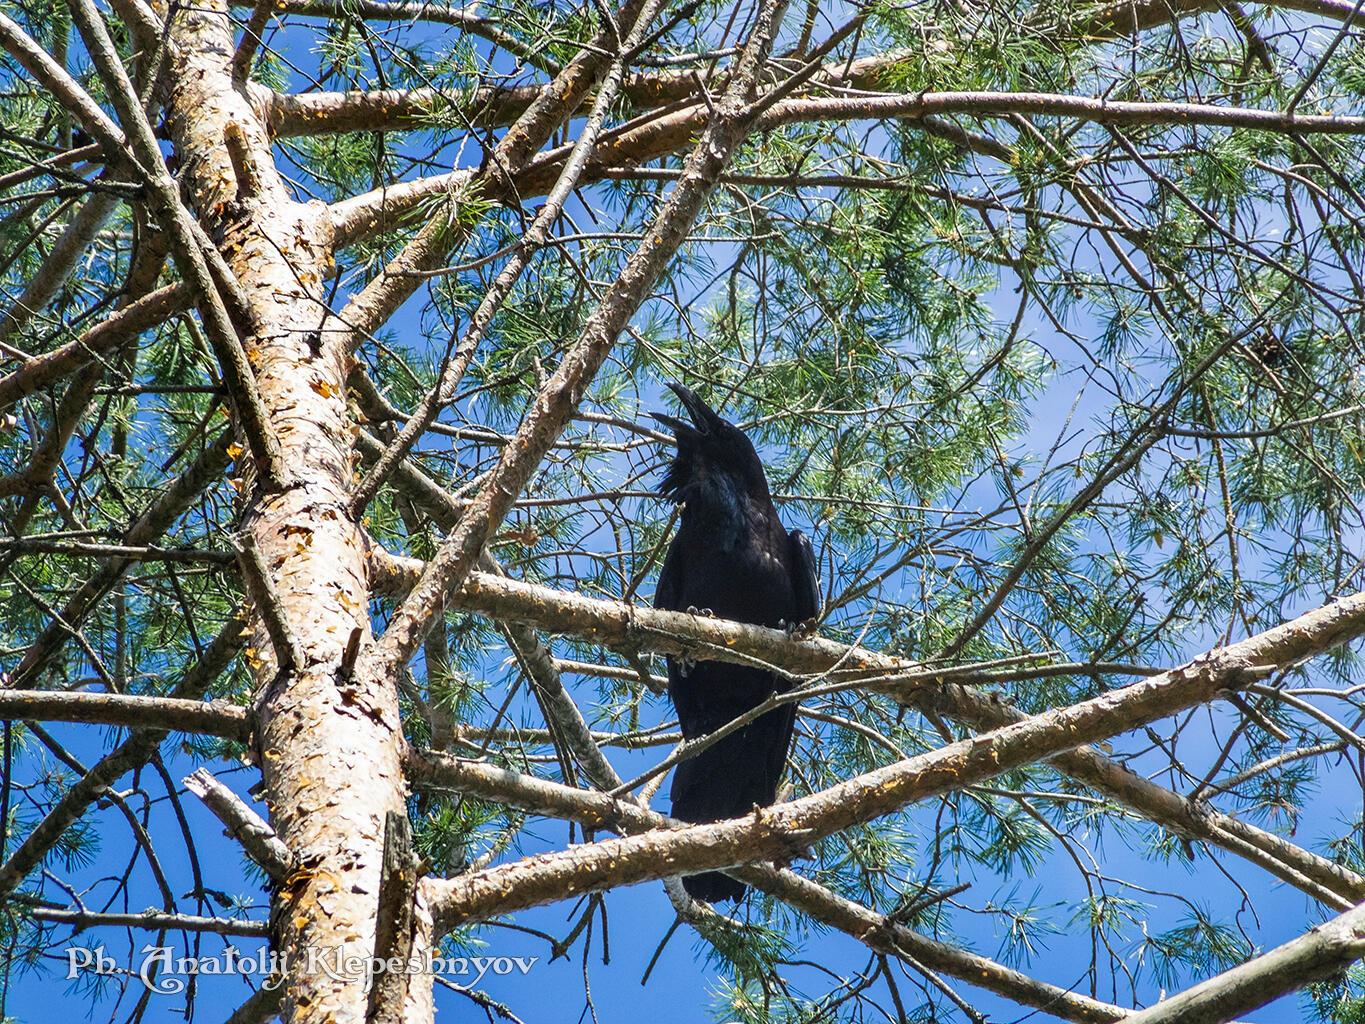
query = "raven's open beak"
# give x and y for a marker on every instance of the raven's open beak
(703, 417)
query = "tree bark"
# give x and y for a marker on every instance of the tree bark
(329, 741)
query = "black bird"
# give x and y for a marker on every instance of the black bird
(732, 557)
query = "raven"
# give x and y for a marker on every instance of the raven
(732, 557)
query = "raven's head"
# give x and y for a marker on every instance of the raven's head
(714, 457)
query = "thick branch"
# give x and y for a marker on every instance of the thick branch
(153, 920)
(1125, 18)
(263, 1005)
(314, 113)
(214, 718)
(786, 828)
(1323, 952)
(631, 630)
(242, 823)
(294, 115)
(429, 770)
(1084, 108)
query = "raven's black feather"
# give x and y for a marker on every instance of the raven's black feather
(731, 555)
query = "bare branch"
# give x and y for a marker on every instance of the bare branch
(104, 337)
(1084, 108)
(134, 752)
(263, 1005)
(430, 770)
(251, 39)
(242, 823)
(153, 920)
(783, 830)
(214, 718)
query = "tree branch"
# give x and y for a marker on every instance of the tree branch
(784, 829)
(1084, 108)
(75, 100)
(132, 753)
(242, 824)
(431, 770)
(531, 241)
(1323, 952)
(256, 575)
(153, 920)
(378, 300)
(399, 10)
(214, 718)
(97, 341)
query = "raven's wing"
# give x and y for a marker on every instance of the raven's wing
(805, 576)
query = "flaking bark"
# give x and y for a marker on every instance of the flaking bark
(328, 740)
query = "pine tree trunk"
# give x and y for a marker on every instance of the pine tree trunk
(331, 737)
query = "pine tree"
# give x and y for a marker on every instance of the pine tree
(328, 337)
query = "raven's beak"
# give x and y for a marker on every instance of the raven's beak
(703, 417)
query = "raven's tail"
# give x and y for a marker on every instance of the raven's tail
(701, 794)
(697, 797)
(713, 887)
(728, 780)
